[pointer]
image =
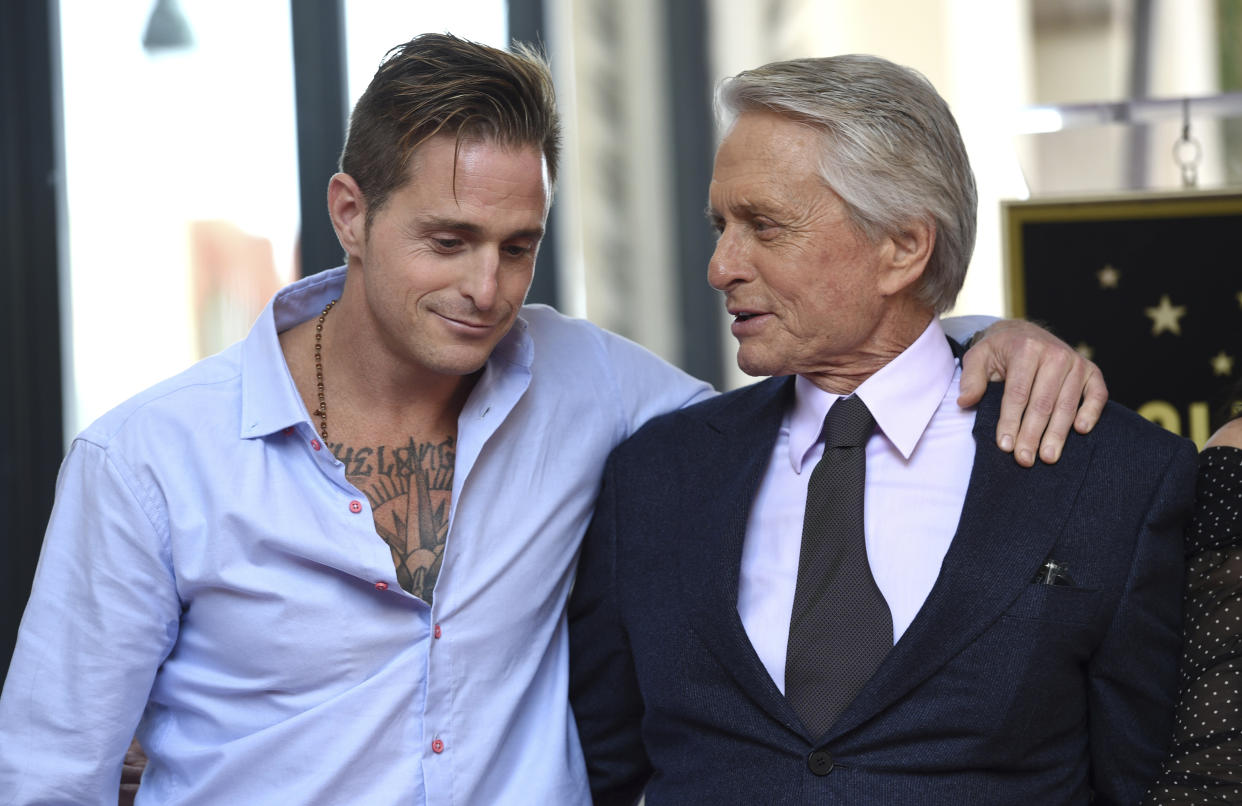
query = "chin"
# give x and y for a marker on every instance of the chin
(758, 366)
(463, 368)
(455, 362)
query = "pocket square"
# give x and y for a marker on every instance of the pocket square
(1053, 572)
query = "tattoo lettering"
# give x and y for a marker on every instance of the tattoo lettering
(409, 488)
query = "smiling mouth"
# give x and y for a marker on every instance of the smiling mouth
(746, 316)
(466, 322)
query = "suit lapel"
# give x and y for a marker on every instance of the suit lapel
(1010, 520)
(735, 453)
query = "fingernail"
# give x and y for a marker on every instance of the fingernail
(1025, 457)
(1006, 443)
(1050, 453)
(1080, 426)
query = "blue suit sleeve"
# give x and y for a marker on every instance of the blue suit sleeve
(1133, 674)
(604, 690)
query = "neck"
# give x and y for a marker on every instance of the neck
(382, 376)
(898, 329)
(367, 391)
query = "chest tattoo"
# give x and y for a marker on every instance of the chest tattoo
(409, 487)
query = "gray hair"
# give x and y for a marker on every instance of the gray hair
(891, 150)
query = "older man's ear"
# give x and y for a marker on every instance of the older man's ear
(1049, 387)
(907, 255)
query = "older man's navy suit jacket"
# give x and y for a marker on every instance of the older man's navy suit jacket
(1003, 690)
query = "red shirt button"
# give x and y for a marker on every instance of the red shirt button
(437, 746)
(355, 506)
(381, 586)
(289, 431)
(315, 444)
(436, 631)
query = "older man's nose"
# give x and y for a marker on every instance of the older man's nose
(725, 267)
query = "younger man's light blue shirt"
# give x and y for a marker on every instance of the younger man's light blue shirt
(209, 570)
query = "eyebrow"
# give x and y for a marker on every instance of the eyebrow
(456, 225)
(749, 208)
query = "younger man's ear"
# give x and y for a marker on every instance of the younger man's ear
(348, 209)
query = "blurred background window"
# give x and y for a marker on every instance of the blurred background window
(181, 173)
(183, 211)
(180, 185)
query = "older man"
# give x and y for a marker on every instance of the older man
(911, 618)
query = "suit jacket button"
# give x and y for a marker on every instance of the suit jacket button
(819, 762)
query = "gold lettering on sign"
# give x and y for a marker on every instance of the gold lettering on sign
(1166, 415)
(1200, 422)
(1162, 413)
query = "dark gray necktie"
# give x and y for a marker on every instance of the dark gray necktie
(841, 627)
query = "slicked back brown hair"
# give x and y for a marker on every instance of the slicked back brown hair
(440, 84)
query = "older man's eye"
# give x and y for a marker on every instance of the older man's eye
(765, 226)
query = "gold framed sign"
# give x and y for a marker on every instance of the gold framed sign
(1149, 286)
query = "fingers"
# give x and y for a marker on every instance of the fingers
(974, 381)
(1068, 392)
(1020, 378)
(1048, 370)
(1094, 396)
(1064, 391)
(1049, 389)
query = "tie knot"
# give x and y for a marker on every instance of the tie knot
(849, 424)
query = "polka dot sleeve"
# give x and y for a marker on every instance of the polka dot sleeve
(1205, 765)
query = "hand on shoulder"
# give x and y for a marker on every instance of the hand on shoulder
(1048, 388)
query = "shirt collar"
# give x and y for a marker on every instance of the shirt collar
(902, 397)
(270, 399)
(516, 347)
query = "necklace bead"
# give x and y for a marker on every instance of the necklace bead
(322, 411)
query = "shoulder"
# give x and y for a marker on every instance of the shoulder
(191, 401)
(565, 337)
(1127, 448)
(739, 408)
(575, 357)
(546, 324)
(1124, 427)
(1124, 453)
(1218, 488)
(1229, 435)
(1120, 432)
(1138, 447)
(743, 402)
(564, 344)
